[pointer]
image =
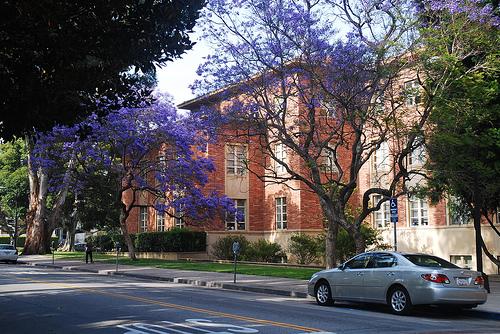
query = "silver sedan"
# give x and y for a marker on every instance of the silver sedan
(8, 253)
(399, 280)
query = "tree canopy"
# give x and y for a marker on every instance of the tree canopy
(60, 61)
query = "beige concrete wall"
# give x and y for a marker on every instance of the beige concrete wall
(444, 241)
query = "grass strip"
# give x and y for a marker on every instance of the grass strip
(245, 269)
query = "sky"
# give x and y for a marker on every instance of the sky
(176, 76)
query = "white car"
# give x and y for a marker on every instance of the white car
(8, 253)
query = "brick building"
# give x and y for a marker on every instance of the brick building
(276, 211)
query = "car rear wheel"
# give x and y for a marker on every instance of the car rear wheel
(324, 294)
(399, 300)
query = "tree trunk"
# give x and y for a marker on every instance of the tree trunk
(331, 256)
(36, 224)
(359, 241)
(479, 244)
(69, 243)
(330, 212)
(55, 215)
(126, 235)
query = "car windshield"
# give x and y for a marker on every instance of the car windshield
(429, 261)
(6, 247)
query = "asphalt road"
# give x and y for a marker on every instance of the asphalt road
(38, 300)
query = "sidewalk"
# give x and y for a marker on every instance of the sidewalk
(259, 284)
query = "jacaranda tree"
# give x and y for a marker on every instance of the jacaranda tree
(60, 62)
(331, 100)
(150, 151)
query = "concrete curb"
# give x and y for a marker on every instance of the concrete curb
(221, 285)
(209, 284)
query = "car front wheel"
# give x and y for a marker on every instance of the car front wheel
(324, 294)
(399, 301)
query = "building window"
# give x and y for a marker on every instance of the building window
(179, 219)
(329, 159)
(280, 152)
(160, 221)
(463, 261)
(457, 213)
(411, 92)
(419, 212)
(417, 156)
(382, 216)
(143, 219)
(236, 221)
(281, 217)
(381, 157)
(236, 156)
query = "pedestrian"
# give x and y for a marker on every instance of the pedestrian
(88, 253)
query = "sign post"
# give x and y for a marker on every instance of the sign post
(236, 251)
(54, 247)
(117, 246)
(393, 201)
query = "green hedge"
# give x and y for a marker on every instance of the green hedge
(175, 240)
(103, 242)
(21, 240)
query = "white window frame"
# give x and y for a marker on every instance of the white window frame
(236, 156)
(237, 222)
(462, 260)
(411, 90)
(329, 159)
(160, 221)
(381, 217)
(453, 218)
(281, 214)
(418, 156)
(179, 220)
(280, 153)
(381, 158)
(421, 208)
(143, 219)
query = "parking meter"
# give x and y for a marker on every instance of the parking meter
(54, 247)
(117, 246)
(236, 251)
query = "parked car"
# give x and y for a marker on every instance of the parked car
(80, 247)
(8, 253)
(399, 280)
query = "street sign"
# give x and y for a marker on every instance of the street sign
(393, 207)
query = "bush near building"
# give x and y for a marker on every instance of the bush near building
(305, 248)
(258, 251)
(175, 240)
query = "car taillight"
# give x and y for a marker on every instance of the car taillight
(479, 280)
(436, 278)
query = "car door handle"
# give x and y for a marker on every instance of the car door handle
(359, 274)
(390, 274)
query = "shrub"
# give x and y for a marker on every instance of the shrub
(264, 251)
(115, 237)
(305, 248)
(175, 240)
(346, 248)
(102, 242)
(222, 249)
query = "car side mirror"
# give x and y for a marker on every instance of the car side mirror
(342, 267)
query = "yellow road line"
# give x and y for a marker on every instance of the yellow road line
(174, 306)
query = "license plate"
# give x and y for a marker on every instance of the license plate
(462, 281)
